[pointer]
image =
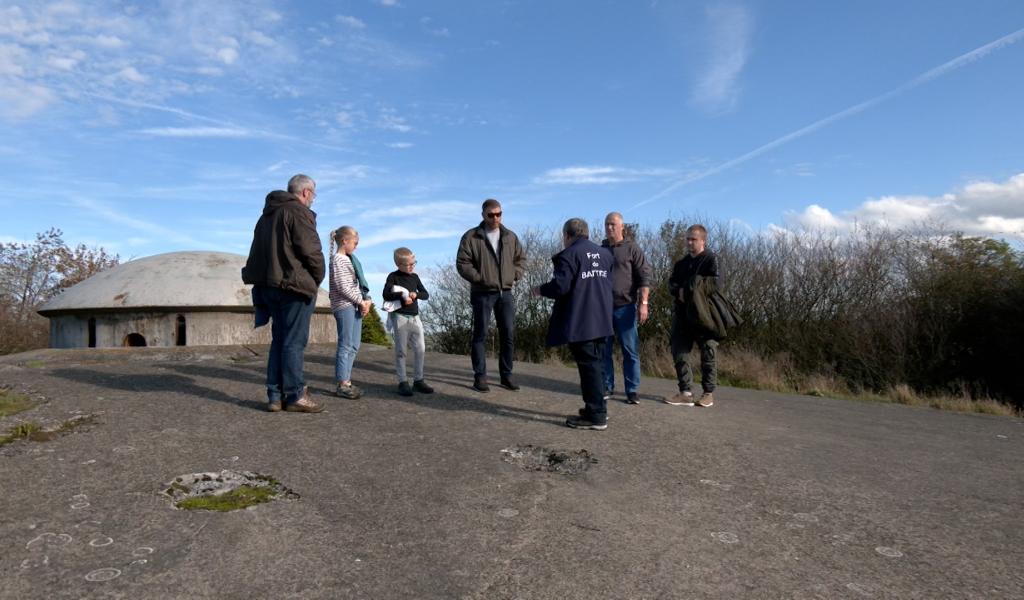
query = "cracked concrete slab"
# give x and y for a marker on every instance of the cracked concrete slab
(762, 496)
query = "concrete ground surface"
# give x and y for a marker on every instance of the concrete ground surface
(761, 496)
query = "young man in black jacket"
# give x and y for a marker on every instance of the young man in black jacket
(699, 262)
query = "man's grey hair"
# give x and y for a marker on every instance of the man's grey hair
(615, 215)
(300, 182)
(576, 228)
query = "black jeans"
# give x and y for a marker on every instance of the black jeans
(504, 307)
(682, 341)
(589, 357)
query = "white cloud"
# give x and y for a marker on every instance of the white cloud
(983, 208)
(190, 132)
(400, 145)
(391, 121)
(12, 57)
(131, 74)
(388, 2)
(108, 41)
(350, 21)
(434, 220)
(227, 55)
(597, 175)
(345, 118)
(428, 26)
(729, 32)
(260, 39)
(20, 100)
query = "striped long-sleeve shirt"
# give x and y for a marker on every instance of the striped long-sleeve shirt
(344, 284)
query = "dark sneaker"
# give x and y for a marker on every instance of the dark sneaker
(404, 389)
(683, 398)
(508, 384)
(349, 391)
(304, 404)
(706, 400)
(609, 394)
(585, 423)
(421, 386)
(583, 413)
(632, 398)
(480, 383)
(274, 405)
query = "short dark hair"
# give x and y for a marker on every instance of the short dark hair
(576, 228)
(490, 203)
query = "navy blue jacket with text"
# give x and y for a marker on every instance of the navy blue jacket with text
(582, 290)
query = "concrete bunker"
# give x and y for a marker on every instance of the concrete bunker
(173, 299)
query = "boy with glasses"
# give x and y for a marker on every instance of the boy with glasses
(404, 286)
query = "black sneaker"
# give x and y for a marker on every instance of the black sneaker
(609, 394)
(583, 414)
(421, 386)
(632, 398)
(508, 384)
(585, 423)
(404, 389)
(480, 383)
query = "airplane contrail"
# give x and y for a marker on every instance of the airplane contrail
(956, 63)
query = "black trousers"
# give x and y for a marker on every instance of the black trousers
(503, 305)
(589, 357)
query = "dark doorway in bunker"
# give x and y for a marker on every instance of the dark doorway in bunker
(134, 339)
(179, 331)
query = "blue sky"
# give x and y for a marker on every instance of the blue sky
(149, 127)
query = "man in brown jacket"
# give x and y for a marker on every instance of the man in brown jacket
(285, 268)
(491, 259)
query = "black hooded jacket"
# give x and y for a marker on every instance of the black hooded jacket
(286, 252)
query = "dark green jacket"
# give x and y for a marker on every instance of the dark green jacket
(286, 252)
(477, 263)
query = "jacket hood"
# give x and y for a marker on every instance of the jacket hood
(277, 199)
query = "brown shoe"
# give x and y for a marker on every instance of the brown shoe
(706, 400)
(683, 398)
(274, 405)
(304, 404)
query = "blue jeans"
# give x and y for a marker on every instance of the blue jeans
(624, 323)
(504, 307)
(588, 362)
(350, 333)
(290, 314)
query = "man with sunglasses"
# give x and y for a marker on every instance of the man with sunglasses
(492, 260)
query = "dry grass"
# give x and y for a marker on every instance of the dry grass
(739, 367)
(12, 402)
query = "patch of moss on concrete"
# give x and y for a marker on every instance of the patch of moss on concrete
(36, 433)
(20, 431)
(35, 364)
(238, 498)
(12, 403)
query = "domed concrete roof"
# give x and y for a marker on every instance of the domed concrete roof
(176, 280)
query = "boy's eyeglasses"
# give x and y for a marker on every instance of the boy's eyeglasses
(493, 215)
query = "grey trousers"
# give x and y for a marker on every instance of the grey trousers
(408, 331)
